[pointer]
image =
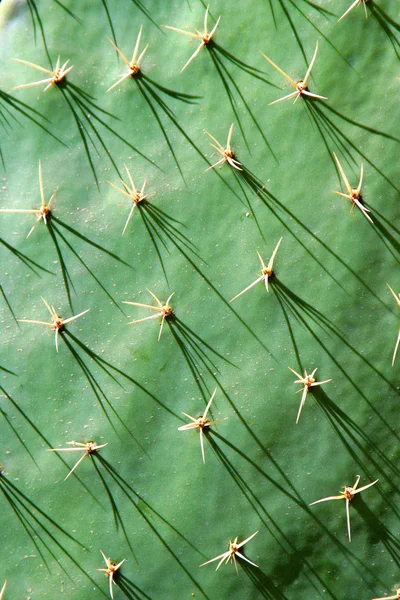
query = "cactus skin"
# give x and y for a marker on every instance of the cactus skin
(147, 497)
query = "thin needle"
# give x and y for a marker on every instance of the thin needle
(44, 212)
(200, 423)
(3, 589)
(111, 570)
(300, 86)
(231, 554)
(86, 448)
(57, 323)
(307, 382)
(353, 194)
(204, 37)
(134, 65)
(130, 192)
(56, 78)
(348, 494)
(164, 311)
(356, 3)
(226, 153)
(266, 272)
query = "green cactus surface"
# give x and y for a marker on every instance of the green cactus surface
(142, 214)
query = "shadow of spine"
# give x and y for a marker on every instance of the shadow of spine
(112, 372)
(88, 116)
(301, 311)
(250, 180)
(283, 540)
(41, 529)
(10, 107)
(57, 235)
(197, 354)
(31, 424)
(354, 437)
(218, 54)
(389, 26)
(130, 589)
(143, 508)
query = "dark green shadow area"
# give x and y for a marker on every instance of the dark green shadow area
(198, 354)
(389, 26)
(130, 589)
(147, 513)
(88, 117)
(302, 313)
(364, 570)
(41, 529)
(264, 584)
(299, 556)
(56, 228)
(354, 438)
(323, 116)
(280, 537)
(377, 530)
(10, 108)
(247, 179)
(163, 230)
(76, 347)
(153, 94)
(235, 95)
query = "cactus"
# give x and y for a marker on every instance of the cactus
(135, 214)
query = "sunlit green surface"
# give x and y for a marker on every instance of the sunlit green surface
(328, 305)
